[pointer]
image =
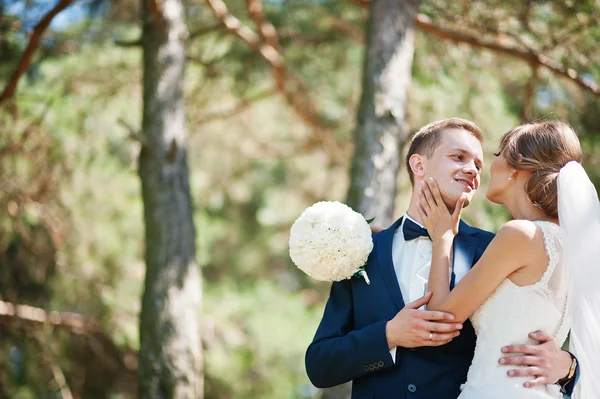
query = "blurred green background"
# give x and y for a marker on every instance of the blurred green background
(71, 207)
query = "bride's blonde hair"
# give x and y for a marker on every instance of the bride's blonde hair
(541, 148)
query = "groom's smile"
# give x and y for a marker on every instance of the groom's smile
(468, 183)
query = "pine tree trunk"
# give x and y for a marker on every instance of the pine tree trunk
(170, 357)
(380, 131)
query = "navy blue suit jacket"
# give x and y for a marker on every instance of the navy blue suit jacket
(350, 343)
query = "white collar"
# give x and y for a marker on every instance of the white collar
(412, 220)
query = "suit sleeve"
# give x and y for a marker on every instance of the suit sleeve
(339, 353)
(567, 388)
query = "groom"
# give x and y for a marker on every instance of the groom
(378, 335)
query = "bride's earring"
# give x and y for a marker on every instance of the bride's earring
(510, 177)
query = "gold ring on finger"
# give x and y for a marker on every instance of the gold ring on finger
(431, 336)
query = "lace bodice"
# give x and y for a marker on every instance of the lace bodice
(512, 312)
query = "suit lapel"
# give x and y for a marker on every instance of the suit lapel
(464, 251)
(386, 263)
(463, 254)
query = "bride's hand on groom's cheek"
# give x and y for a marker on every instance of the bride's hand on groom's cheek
(545, 362)
(439, 222)
(412, 328)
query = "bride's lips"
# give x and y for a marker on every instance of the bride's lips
(470, 185)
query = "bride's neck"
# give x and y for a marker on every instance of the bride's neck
(520, 207)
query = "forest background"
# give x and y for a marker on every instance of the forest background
(154, 154)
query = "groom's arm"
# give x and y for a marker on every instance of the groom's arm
(339, 353)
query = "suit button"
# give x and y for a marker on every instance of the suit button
(380, 363)
(366, 368)
(371, 367)
(412, 388)
(413, 349)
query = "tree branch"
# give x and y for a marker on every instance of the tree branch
(193, 35)
(347, 29)
(34, 42)
(235, 26)
(71, 321)
(264, 27)
(238, 107)
(134, 134)
(98, 341)
(534, 58)
(291, 88)
(268, 34)
(57, 373)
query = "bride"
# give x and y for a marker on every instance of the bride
(541, 270)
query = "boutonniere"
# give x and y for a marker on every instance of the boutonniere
(362, 273)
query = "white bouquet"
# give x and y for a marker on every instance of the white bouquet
(331, 242)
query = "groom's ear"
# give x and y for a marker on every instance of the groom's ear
(417, 165)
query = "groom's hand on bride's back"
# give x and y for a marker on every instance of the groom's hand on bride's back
(412, 328)
(545, 362)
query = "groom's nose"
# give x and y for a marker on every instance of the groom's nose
(471, 169)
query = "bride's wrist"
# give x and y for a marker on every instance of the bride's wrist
(444, 241)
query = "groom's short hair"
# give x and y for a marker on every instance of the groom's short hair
(427, 139)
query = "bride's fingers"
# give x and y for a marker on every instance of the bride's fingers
(458, 209)
(423, 201)
(426, 192)
(423, 214)
(435, 191)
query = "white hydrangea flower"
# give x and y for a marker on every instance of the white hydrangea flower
(330, 241)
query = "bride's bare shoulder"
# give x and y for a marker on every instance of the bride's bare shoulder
(519, 228)
(521, 240)
(518, 234)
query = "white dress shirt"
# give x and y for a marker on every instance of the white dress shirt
(412, 261)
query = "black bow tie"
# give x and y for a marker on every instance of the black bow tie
(411, 230)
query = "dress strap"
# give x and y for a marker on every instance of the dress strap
(553, 236)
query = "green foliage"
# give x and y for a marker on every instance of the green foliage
(257, 336)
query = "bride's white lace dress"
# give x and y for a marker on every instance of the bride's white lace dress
(509, 315)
